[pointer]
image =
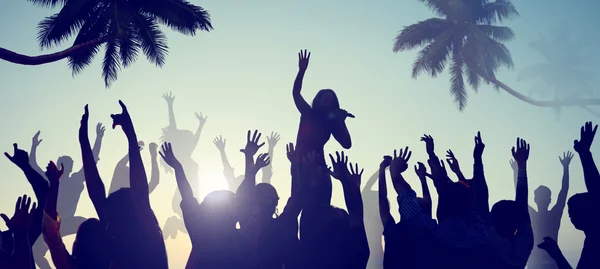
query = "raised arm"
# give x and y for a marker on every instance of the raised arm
(37, 181)
(35, 143)
(19, 225)
(565, 161)
(454, 165)
(97, 143)
(521, 154)
(421, 172)
(117, 174)
(479, 183)
(267, 171)
(301, 104)
(232, 182)
(138, 181)
(582, 146)
(183, 185)
(154, 172)
(350, 184)
(93, 181)
(246, 189)
(201, 122)
(438, 170)
(170, 98)
(384, 204)
(53, 174)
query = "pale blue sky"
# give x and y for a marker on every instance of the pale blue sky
(240, 76)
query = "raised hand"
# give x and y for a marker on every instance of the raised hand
(273, 139)
(100, 130)
(20, 157)
(521, 153)
(201, 119)
(35, 141)
(400, 161)
(220, 143)
(141, 145)
(452, 161)
(252, 145)
(587, 137)
(479, 146)
(53, 174)
(420, 170)
(168, 156)
(387, 161)
(355, 176)
(23, 217)
(262, 161)
(291, 153)
(123, 119)
(566, 159)
(339, 166)
(153, 147)
(303, 58)
(513, 165)
(429, 145)
(169, 97)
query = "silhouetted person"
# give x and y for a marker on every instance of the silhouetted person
(216, 243)
(332, 237)
(318, 122)
(372, 224)
(512, 235)
(184, 143)
(233, 181)
(545, 222)
(71, 188)
(120, 177)
(582, 207)
(90, 249)
(135, 237)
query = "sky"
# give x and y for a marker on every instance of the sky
(240, 75)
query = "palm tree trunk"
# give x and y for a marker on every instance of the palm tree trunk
(555, 103)
(16, 58)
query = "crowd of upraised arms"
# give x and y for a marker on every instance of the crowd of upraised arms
(239, 228)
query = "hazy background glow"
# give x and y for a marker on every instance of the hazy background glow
(241, 75)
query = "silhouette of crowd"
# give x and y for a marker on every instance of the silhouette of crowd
(241, 227)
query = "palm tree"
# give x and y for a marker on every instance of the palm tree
(465, 34)
(124, 27)
(562, 75)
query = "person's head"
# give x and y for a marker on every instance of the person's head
(456, 200)
(581, 208)
(67, 162)
(506, 217)
(267, 198)
(325, 228)
(183, 142)
(326, 99)
(542, 197)
(90, 249)
(218, 211)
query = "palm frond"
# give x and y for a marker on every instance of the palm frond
(179, 15)
(440, 7)
(129, 49)
(433, 57)
(497, 11)
(498, 33)
(111, 64)
(92, 29)
(457, 84)
(47, 3)
(544, 71)
(152, 40)
(420, 33)
(57, 28)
